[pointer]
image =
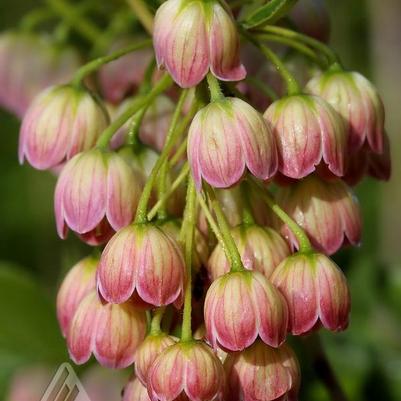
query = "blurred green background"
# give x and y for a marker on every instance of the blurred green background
(366, 358)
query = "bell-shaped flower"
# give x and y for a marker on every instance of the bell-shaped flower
(316, 292)
(111, 332)
(61, 122)
(192, 37)
(328, 211)
(186, 371)
(142, 259)
(262, 373)
(241, 306)
(96, 194)
(261, 249)
(79, 282)
(227, 137)
(357, 101)
(308, 132)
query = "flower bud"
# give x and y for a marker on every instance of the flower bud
(189, 370)
(78, 283)
(111, 332)
(96, 194)
(261, 249)
(262, 373)
(226, 137)
(358, 102)
(328, 211)
(242, 305)
(316, 291)
(29, 64)
(142, 258)
(148, 351)
(124, 75)
(191, 37)
(308, 132)
(61, 122)
(135, 391)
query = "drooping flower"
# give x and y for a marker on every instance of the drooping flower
(358, 102)
(142, 258)
(261, 249)
(29, 64)
(61, 122)
(328, 211)
(242, 305)
(192, 37)
(316, 292)
(308, 132)
(227, 137)
(79, 282)
(96, 194)
(148, 351)
(186, 371)
(111, 332)
(262, 373)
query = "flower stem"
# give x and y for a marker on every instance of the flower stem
(172, 135)
(94, 65)
(30, 21)
(331, 56)
(137, 105)
(247, 216)
(162, 200)
(161, 190)
(303, 240)
(188, 231)
(230, 247)
(143, 14)
(156, 321)
(214, 88)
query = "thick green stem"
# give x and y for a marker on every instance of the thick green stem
(188, 231)
(303, 240)
(331, 56)
(172, 135)
(94, 65)
(156, 321)
(143, 14)
(214, 88)
(162, 201)
(108, 133)
(83, 26)
(230, 247)
(297, 45)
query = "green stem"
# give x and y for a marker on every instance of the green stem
(230, 247)
(156, 321)
(331, 56)
(143, 14)
(177, 182)
(30, 21)
(172, 135)
(135, 125)
(303, 240)
(247, 216)
(161, 190)
(300, 47)
(108, 133)
(179, 153)
(94, 65)
(84, 27)
(214, 88)
(188, 231)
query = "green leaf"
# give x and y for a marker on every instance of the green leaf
(29, 330)
(269, 13)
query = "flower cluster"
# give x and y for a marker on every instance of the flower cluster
(209, 213)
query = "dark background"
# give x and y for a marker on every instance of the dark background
(366, 358)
